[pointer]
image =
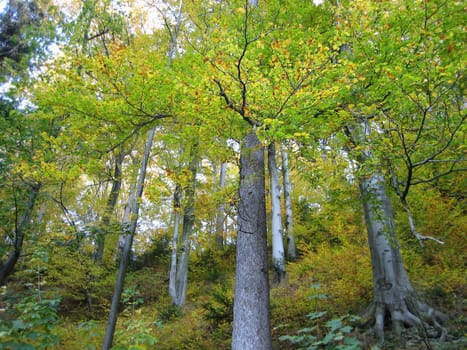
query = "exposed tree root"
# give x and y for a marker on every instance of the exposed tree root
(411, 312)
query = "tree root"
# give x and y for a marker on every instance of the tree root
(411, 312)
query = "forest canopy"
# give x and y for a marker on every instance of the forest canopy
(232, 174)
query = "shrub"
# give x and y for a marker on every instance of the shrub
(31, 325)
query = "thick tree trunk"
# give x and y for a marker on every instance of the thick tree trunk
(291, 248)
(220, 212)
(110, 206)
(394, 295)
(7, 266)
(393, 292)
(251, 328)
(130, 221)
(181, 278)
(278, 258)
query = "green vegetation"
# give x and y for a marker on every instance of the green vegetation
(134, 185)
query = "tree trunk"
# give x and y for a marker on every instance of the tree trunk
(220, 215)
(188, 223)
(291, 248)
(6, 267)
(393, 292)
(173, 258)
(278, 259)
(251, 328)
(110, 206)
(130, 221)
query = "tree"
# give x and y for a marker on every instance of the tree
(179, 277)
(24, 37)
(278, 257)
(109, 207)
(251, 327)
(392, 100)
(261, 74)
(392, 290)
(129, 226)
(220, 212)
(291, 248)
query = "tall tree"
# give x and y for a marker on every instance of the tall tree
(109, 207)
(278, 257)
(251, 325)
(392, 291)
(129, 226)
(388, 95)
(181, 275)
(24, 39)
(220, 210)
(260, 74)
(291, 247)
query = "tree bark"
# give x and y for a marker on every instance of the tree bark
(110, 206)
(251, 327)
(220, 212)
(130, 221)
(175, 239)
(7, 266)
(181, 278)
(278, 258)
(291, 247)
(393, 292)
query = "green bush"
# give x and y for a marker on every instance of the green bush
(337, 335)
(31, 324)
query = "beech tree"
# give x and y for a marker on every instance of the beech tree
(260, 74)
(392, 290)
(278, 256)
(181, 249)
(251, 325)
(287, 188)
(379, 103)
(129, 226)
(220, 212)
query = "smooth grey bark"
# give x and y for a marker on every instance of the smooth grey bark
(291, 247)
(173, 258)
(130, 222)
(393, 293)
(220, 211)
(181, 277)
(278, 258)
(251, 325)
(7, 266)
(109, 208)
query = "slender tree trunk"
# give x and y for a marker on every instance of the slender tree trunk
(251, 327)
(175, 239)
(220, 212)
(110, 206)
(130, 221)
(188, 223)
(278, 258)
(7, 266)
(291, 248)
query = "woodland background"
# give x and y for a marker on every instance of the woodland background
(121, 133)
